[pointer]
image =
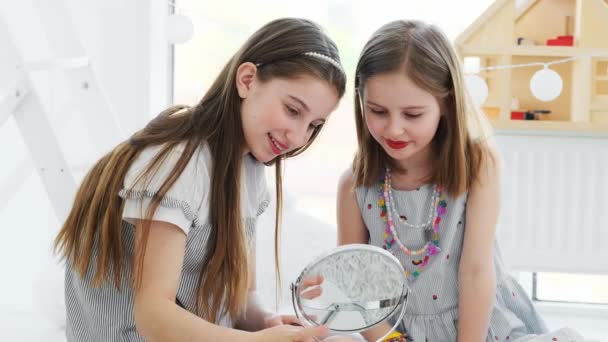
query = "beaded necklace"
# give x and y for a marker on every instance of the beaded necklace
(391, 238)
(403, 220)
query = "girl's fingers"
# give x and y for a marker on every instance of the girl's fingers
(289, 319)
(273, 321)
(311, 281)
(312, 292)
(310, 332)
(312, 317)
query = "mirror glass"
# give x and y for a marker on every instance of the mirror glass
(350, 289)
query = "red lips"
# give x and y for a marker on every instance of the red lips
(274, 148)
(279, 147)
(396, 144)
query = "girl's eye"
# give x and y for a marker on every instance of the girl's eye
(377, 111)
(413, 115)
(292, 111)
(312, 127)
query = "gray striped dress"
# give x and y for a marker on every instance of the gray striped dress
(105, 313)
(432, 311)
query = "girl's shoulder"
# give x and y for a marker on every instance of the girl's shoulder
(191, 182)
(184, 203)
(347, 187)
(346, 181)
(201, 158)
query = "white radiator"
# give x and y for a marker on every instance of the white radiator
(554, 214)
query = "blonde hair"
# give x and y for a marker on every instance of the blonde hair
(425, 55)
(216, 121)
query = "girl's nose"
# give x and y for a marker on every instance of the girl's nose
(395, 127)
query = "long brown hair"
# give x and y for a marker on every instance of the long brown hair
(95, 218)
(429, 60)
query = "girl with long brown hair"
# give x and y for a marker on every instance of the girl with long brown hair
(425, 183)
(159, 244)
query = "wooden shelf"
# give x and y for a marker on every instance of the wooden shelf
(582, 107)
(548, 126)
(530, 50)
(599, 105)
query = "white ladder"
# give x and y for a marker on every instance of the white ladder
(51, 43)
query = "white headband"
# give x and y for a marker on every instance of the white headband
(318, 56)
(325, 58)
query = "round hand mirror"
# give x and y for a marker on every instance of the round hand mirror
(351, 289)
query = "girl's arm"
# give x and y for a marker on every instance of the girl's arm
(351, 229)
(477, 277)
(157, 317)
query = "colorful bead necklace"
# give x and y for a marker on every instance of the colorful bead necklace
(431, 248)
(403, 220)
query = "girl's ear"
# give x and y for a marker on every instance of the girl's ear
(245, 76)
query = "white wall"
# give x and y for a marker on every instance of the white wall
(124, 42)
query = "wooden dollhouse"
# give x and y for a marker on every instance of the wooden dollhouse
(514, 32)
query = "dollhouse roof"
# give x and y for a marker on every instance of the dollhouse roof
(495, 26)
(482, 20)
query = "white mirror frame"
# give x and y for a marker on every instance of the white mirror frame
(341, 249)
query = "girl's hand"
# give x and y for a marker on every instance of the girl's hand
(311, 287)
(289, 333)
(274, 320)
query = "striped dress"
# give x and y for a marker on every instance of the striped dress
(432, 309)
(106, 313)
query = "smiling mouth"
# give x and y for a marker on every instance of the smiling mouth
(277, 147)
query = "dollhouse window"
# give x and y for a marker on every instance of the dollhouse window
(602, 68)
(600, 78)
(602, 88)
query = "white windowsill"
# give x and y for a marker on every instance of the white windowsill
(573, 309)
(588, 319)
